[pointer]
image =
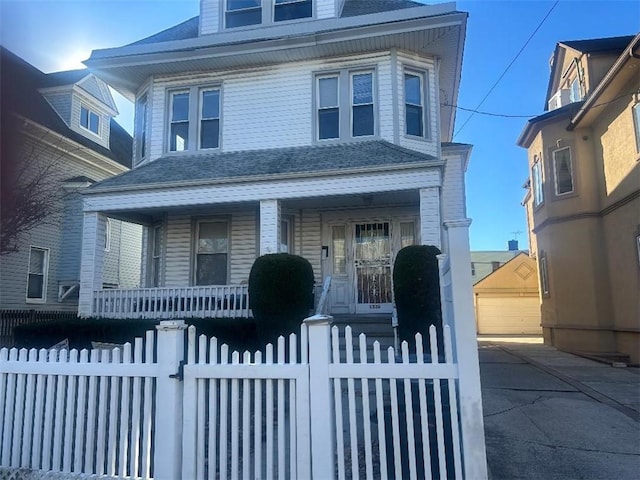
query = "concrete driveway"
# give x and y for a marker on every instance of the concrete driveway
(552, 415)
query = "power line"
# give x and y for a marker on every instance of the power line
(508, 66)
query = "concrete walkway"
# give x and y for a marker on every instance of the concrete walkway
(552, 415)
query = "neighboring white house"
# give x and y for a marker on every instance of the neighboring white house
(62, 124)
(316, 127)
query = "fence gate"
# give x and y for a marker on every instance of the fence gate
(246, 415)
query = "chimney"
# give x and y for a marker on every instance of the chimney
(513, 245)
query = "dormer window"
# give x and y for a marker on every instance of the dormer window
(89, 120)
(240, 13)
(292, 9)
(575, 95)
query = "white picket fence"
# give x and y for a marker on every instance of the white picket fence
(306, 408)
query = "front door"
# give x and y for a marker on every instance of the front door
(372, 264)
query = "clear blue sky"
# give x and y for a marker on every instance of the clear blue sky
(57, 34)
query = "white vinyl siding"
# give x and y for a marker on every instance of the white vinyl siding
(243, 246)
(326, 8)
(271, 107)
(311, 243)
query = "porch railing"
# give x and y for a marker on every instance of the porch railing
(217, 301)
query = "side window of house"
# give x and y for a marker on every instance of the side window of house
(141, 128)
(37, 274)
(194, 119)
(345, 105)
(286, 235)
(107, 235)
(575, 95)
(536, 181)
(544, 272)
(89, 120)
(212, 253)
(563, 171)
(415, 105)
(407, 234)
(240, 13)
(636, 124)
(156, 255)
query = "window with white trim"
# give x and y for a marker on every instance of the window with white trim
(286, 235)
(89, 120)
(194, 119)
(536, 181)
(636, 124)
(37, 275)
(107, 235)
(563, 171)
(211, 252)
(574, 93)
(141, 127)
(292, 9)
(415, 105)
(240, 13)
(407, 234)
(345, 104)
(156, 252)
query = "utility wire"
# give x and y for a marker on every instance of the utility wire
(507, 115)
(508, 66)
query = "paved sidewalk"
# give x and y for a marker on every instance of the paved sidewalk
(552, 415)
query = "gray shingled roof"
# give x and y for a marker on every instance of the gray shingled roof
(345, 157)
(610, 44)
(190, 28)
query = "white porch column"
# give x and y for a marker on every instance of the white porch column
(269, 226)
(91, 261)
(430, 228)
(466, 347)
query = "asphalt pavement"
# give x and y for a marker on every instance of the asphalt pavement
(552, 415)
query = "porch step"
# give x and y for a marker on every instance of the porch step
(375, 327)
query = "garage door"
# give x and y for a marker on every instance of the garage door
(508, 315)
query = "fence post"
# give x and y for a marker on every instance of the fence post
(168, 425)
(322, 444)
(466, 348)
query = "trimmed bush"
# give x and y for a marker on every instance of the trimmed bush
(416, 287)
(280, 293)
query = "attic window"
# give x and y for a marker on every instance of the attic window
(240, 13)
(89, 120)
(292, 9)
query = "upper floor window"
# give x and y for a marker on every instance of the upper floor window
(240, 13)
(194, 119)
(141, 127)
(574, 93)
(536, 181)
(89, 120)
(563, 171)
(37, 274)
(415, 104)
(636, 124)
(292, 9)
(345, 110)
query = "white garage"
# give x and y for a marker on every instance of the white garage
(508, 315)
(507, 301)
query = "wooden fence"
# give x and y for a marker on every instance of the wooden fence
(307, 408)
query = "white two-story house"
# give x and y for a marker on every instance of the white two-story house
(316, 127)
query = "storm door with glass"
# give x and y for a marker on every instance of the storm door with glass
(212, 252)
(372, 260)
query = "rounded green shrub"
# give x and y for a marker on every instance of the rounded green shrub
(280, 294)
(416, 288)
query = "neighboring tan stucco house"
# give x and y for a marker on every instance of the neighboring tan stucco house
(583, 203)
(315, 127)
(485, 262)
(61, 124)
(507, 300)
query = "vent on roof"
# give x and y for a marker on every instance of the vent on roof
(561, 98)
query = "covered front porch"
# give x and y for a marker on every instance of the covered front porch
(201, 237)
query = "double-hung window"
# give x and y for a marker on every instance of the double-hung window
(563, 171)
(240, 13)
(536, 181)
(414, 104)
(194, 119)
(89, 120)
(345, 105)
(212, 253)
(37, 274)
(156, 252)
(292, 9)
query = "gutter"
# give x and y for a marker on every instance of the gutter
(606, 81)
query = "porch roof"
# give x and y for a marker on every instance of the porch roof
(277, 163)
